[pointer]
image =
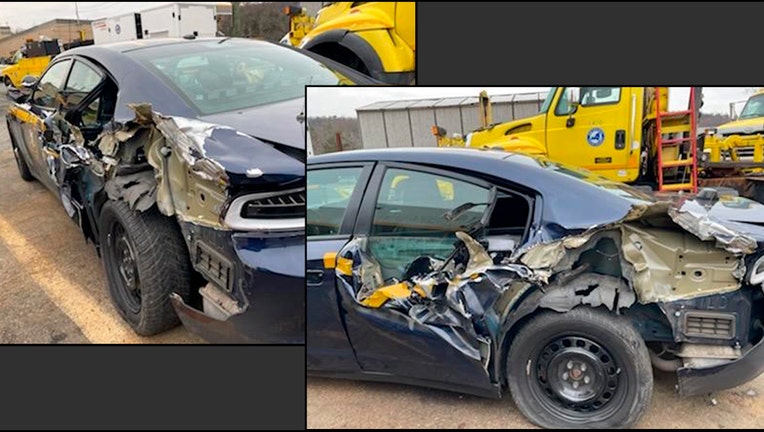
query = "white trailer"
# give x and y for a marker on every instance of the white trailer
(116, 29)
(178, 20)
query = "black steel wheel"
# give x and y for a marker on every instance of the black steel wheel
(581, 368)
(145, 259)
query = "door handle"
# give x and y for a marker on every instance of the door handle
(314, 277)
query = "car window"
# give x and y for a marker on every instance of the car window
(329, 192)
(82, 80)
(49, 85)
(417, 214)
(415, 202)
(218, 77)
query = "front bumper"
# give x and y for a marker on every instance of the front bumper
(268, 285)
(699, 381)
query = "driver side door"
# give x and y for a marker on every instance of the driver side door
(44, 101)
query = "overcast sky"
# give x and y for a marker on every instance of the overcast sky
(342, 101)
(22, 15)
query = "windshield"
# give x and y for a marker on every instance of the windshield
(548, 100)
(228, 75)
(754, 107)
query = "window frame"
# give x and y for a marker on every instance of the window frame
(351, 211)
(365, 219)
(32, 99)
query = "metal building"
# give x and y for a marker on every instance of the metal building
(408, 123)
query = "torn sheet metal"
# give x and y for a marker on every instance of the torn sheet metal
(695, 218)
(670, 265)
(454, 299)
(589, 289)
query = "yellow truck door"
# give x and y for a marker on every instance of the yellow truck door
(592, 127)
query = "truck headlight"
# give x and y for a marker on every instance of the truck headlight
(468, 139)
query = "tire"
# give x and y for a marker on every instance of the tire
(547, 357)
(7, 82)
(145, 259)
(21, 163)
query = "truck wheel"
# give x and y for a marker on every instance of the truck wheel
(21, 164)
(145, 259)
(584, 368)
(7, 82)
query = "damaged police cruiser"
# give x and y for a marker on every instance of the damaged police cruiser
(183, 161)
(489, 272)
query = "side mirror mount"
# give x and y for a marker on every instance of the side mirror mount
(571, 121)
(29, 82)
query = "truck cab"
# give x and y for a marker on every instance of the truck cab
(597, 128)
(32, 59)
(741, 140)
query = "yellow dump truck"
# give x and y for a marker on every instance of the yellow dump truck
(375, 38)
(31, 59)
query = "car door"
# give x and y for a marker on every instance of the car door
(334, 194)
(44, 100)
(402, 218)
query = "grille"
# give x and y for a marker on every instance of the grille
(710, 325)
(289, 204)
(213, 266)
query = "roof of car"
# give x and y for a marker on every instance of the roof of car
(568, 198)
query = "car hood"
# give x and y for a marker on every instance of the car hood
(280, 123)
(742, 126)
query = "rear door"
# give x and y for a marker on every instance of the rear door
(402, 218)
(334, 195)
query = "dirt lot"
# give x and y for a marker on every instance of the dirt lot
(348, 404)
(52, 285)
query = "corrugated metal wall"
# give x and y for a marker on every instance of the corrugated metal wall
(409, 123)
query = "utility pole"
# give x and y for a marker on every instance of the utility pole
(79, 30)
(235, 19)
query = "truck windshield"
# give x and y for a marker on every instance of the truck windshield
(227, 75)
(754, 107)
(548, 100)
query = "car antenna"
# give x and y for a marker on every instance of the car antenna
(223, 40)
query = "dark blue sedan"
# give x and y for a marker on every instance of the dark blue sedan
(491, 273)
(183, 161)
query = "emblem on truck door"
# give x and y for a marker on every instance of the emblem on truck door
(595, 136)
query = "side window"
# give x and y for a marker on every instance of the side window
(600, 95)
(329, 192)
(47, 92)
(417, 215)
(412, 202)
(82, 81)
(564, 104)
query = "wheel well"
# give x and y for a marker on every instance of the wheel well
(342, 55)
